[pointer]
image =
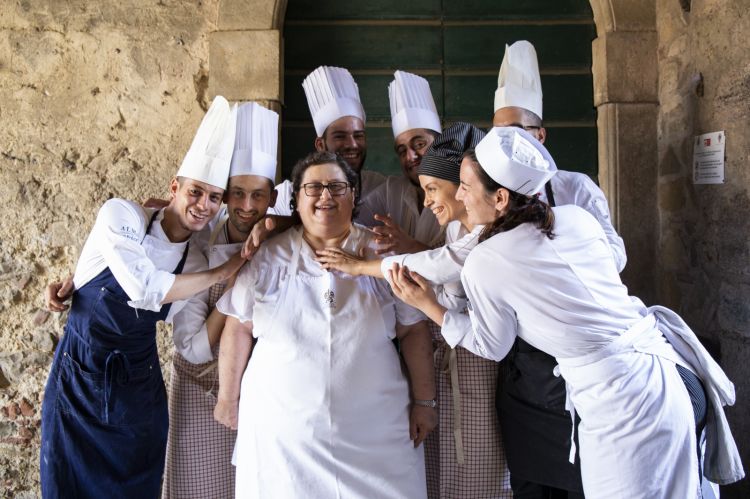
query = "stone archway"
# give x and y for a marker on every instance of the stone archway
(246, 52)
(625, 94)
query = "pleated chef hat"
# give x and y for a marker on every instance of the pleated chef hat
(412, 105)
(516, 160)
(210, 154)
(255, 142)
(519, 83)
(331, 94)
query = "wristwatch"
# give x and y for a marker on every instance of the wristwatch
(426, 403)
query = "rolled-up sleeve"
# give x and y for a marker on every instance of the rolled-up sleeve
(121, 227)
(239, 301)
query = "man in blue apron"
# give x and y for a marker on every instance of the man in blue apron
(199, 449)
(531, 402)
(104, 415)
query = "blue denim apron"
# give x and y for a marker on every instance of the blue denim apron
(104, 415)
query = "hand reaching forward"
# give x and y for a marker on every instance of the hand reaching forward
(391, 237)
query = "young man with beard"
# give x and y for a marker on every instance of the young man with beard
(339, 119)
(535, 424)
(104, 416)
(398, 203)
(199, 449)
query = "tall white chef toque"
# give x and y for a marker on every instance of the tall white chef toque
(412, 105)
(516, 160)
(210, 154)
(519, 83)
(331, 94)
(255, 142)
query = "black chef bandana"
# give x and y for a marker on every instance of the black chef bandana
(443, 157)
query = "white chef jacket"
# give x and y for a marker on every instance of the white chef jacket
(115, 242)
(324, 403)
(369, 179)
(189, 332)
(578, 189)
(564, 297)
(398, 197)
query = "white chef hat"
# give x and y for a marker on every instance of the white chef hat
(519, 83)
(209, 155)
(331, 94)
(412, 105)
(255, 142)
(516, 160)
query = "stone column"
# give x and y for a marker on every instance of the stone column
(626, 97)
(246, 52)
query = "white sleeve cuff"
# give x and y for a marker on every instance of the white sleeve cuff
(159, 284)
(456, 324)
(387, 262)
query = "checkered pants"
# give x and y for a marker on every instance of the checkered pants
(483, 473)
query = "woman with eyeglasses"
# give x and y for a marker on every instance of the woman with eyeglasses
(323, 408)
(465, 456)
(640, 380)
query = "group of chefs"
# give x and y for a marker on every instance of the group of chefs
(520, 290)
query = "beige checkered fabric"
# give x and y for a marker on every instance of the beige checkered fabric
(484, 473)
(199, 450)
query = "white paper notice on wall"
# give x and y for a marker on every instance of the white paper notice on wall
(708, 158)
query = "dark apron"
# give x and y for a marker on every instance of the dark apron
(104, 415)
(535, 425)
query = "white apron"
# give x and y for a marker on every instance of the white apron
(637, 432)
(324, 403)
(218, 254)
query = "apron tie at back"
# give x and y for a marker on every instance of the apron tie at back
(114, 360)
(449, 365)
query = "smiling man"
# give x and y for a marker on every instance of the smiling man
(339, 119)
(398, 203)
(104, 415)
(199, 450)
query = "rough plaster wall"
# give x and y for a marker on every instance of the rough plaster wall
(97, 99)
(705, 229)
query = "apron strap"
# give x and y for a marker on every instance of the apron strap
(572, 410)
(296, 249)
(150, 223)
(217, 230)
(449, 365)
(115, 359)
(550, 194)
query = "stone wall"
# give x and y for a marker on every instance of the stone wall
(97, 99)
(704, 244)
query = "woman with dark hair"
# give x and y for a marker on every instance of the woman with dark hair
(465, 458)
(323, 407)
(635, 375)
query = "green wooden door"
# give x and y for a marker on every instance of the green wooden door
(458, 46)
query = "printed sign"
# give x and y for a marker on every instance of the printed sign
(708, 158)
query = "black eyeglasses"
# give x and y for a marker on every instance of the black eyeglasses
(524, 127)
(315, 189)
